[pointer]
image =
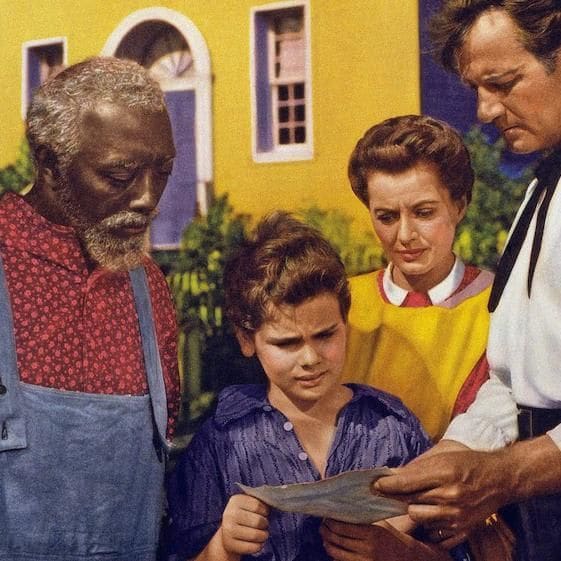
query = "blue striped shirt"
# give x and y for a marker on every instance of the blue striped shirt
(249, 441)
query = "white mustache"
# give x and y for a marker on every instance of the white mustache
(128, 219)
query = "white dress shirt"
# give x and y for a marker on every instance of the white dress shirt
(524, 349)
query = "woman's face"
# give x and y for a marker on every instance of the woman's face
(415, 219)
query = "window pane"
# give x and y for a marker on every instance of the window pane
(283, 93)
(291, 58)
(284, 114)
(300, 113)
(284, 136)
(288, 23)
(299, 91)
(300, 134)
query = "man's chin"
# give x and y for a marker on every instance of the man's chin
(125, 262)
(114, 253)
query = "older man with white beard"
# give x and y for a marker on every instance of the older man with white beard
(88, 379)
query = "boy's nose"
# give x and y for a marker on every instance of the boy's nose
(309, 356)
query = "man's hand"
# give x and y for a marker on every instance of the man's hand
(452, 488)
(378, 542)
(245, 525)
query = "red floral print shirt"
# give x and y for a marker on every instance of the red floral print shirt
(74, 329)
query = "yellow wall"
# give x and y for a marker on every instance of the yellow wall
(365, 67)
(86, 25)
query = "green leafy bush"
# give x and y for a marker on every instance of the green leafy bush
(359, 254)
(14, 177)
(496, 197)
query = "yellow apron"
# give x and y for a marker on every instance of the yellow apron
(422, 355)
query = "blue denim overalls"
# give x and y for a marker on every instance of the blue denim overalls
(80, 474)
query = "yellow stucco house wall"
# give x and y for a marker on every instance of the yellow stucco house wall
(361, 66)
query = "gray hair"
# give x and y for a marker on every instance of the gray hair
(54, 114)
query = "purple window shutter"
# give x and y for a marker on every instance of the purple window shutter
(33, 72)
(178, 203)
(442, 94)
(262, 93)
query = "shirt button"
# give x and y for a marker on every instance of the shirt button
(287, 426)
(303, 456)
(267, 408)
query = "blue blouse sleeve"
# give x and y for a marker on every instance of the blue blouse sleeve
(196, 497)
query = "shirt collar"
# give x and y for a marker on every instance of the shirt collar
(443, 290)
(549, 168)
(237, 401)
(22, 228)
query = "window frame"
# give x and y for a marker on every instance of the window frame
(25, 72)
(264, 121)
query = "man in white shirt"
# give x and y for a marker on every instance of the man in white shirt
(507, 447)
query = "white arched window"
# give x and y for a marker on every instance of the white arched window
(173, 50)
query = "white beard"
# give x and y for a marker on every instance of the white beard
(99, 240)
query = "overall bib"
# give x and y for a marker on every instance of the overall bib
(81, 475)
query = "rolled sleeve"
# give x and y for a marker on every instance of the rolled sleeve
(196, 501)
(491, 422)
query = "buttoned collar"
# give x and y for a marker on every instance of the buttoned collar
(237, 401)
(437, 294)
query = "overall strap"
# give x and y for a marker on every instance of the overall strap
(151, 352)
(12, 424)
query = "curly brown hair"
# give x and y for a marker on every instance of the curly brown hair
(284, 262)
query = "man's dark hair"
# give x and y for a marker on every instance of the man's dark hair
(539, 22)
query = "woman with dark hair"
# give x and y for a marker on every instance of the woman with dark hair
(418, 328)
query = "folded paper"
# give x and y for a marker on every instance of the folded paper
(346, 497)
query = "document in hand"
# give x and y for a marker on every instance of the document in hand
(346, 497)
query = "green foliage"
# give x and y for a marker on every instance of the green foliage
(208, 351)
(359, 254)
(496, 197)
(196, 273)
(14, 177)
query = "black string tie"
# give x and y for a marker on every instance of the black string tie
(547, 174)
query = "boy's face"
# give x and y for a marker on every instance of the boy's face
(301, 349)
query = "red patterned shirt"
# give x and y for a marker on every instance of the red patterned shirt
(74, 329)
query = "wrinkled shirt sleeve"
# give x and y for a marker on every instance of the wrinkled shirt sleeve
(196, 501)
(490, 422)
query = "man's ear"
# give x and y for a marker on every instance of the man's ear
(47, 167)
(245, 339)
